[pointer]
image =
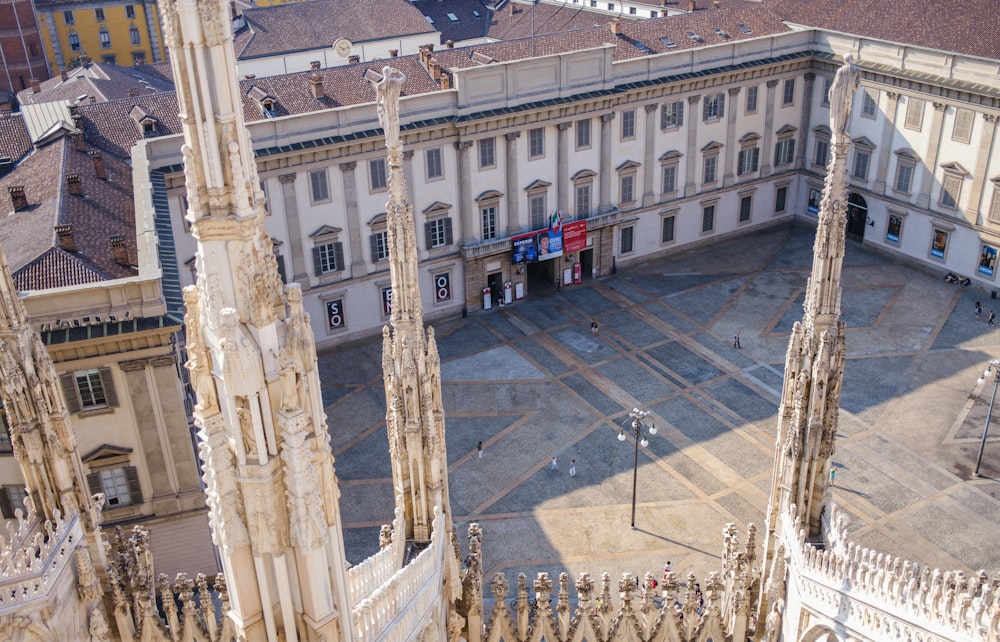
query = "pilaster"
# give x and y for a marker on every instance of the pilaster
(767, 145)
(805, 120)
(885, 144)
(729, 152)
(605, 178)
(469, 229)
(649, 155)
(562, 166)
(986, 141)
(937, 140)
(513, 193)
(691, 158)
(347, 176)
(290, 202)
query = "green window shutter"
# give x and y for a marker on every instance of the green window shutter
(70, 393)
(110, 396)
(680, 113)
(373, 241)
(428, 239)
(448, 240)
(722, 104)
(338, 255)
(94, 484)
(134, 490)
(317, 264)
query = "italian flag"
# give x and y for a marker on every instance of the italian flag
(555, 221)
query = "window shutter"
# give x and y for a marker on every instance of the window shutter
(791, 150)
(134, 490)
(447, 231)
(756, 159)
(94, 484)
(722, 104)
(110, 396)
(281, 268)
(679, 110)
(338, 255)
(373, 241)
(317, 264)
(704, 108)
(663, 116)
(428, 238)
(70, 393)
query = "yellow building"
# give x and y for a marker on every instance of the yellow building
(112, 31)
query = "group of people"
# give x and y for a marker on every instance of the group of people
(991, 319)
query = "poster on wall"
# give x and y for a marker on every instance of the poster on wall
(524, 249)
(987, 260)
(335, 314)
(442, 287)
(387, 301)
(939, 244)
(550, 241)
(575, 236)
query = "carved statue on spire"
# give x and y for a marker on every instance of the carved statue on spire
(388, 90)
(845, 84)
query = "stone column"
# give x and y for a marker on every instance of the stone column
(358, 267)
(885, 145)
(291, 205)
(924, 198)
(605, 179)
(692, 156)
(150, 433)
(467, 213)
(729, 154)
(805, 117)
(979, 172)
(767, 145)
(513, 193)
(648, 156)
(408, 172)
(562, 166)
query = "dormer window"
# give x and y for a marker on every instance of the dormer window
(147, 124)
(265, 101)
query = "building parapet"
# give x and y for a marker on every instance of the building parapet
(365, 577)
(34, 557)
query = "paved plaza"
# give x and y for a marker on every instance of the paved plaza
(531, 382)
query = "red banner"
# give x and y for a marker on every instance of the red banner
(574, 236)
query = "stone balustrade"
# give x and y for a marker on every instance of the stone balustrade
(371, 573)
(35, 555)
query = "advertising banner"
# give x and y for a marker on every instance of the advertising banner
(550, 242)
(524, 249)
(575, 236)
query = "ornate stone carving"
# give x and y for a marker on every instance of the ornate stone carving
(845, 85)
(387, 91)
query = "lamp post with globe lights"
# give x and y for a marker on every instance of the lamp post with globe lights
(636, 418)
(992, 369)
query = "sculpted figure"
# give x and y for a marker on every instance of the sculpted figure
(845, 84)
(388, 90)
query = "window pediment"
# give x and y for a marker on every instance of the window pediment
(822, 130)
(583, 174)
(863, 142)
(787, 129)
(955, 168)
(325, 230)
(106, 453)
(749, 138)
(437, 207)
(627, 165)
(712, 146)
(379, 219)
(907, 154)
(673, 154)
(489, 195)
(537, 185)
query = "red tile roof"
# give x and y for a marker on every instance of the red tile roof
(99, 81)
(15, 142)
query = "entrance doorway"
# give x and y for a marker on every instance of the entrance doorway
(587, 263)
(494, 282)
(857, 217)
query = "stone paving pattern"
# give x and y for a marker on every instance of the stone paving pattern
(531, 381)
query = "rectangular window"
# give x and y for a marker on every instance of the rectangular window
(90, 388)
(714, 106)
(904, 177)
(780, 196)
(710, 165)
(708, 218)
(582, 133)
(669, 179)
(68, 17)
(672, 114)
(536, 208)
(632, 11)
(784, 150)
(825, 98)
(962, 131)
(377, 175)
(379, 246)
(105, 40)
(626, 240)
(627, 194)
(489, 218)
(438, 232)
(11, 500)
(74, 42)
(134, 37)
(583, 200)
(939, 243)
(748, 160)
(99, 14)
(869, 103)
(628, 124)
(746, 208)
(6, 447)
(815, 199)
(130, 11)
(117, 485)
(432, 158)
(328, 258)
(487, 153)
(751, 99)
(536, 143)
(319, 188)
(894, 229)
(822, 152)
(994, 215)
(951, 189)
(862, 159)
(667, 229)
(914, 113)
(788, 93)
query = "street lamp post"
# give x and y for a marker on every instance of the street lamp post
(636, 417)
(992, 369)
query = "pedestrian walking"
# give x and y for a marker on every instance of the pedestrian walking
(479, 449)
(593, 327)
(736, 342)
(833, 476)
(572, 467)
(666, 571)
(979, 309)
(555, 464)
(991, 319)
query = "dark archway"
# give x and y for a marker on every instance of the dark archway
(857, 216)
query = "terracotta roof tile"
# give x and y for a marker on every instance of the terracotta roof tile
(15, 142)
(319, 23)
(109, 126)
(99, 81)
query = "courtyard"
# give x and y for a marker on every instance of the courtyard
(531, 381)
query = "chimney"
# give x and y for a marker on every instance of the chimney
(17, 197)
(445, 80)
(64, 235)
(118, 249)
(663, 13)
(314, 65)
(450, 44)
(511, 7)
(692, 5)
(715, 4)
(91, 99)
(63, 74)
(98, 164)
(616, 26)
(250, 76)
(434, 68)
(74, 184)
(78, 142)
(394, 53)
(354, 59)
(316, 86)
(36, 85)
(133, 92)
(430, 46)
